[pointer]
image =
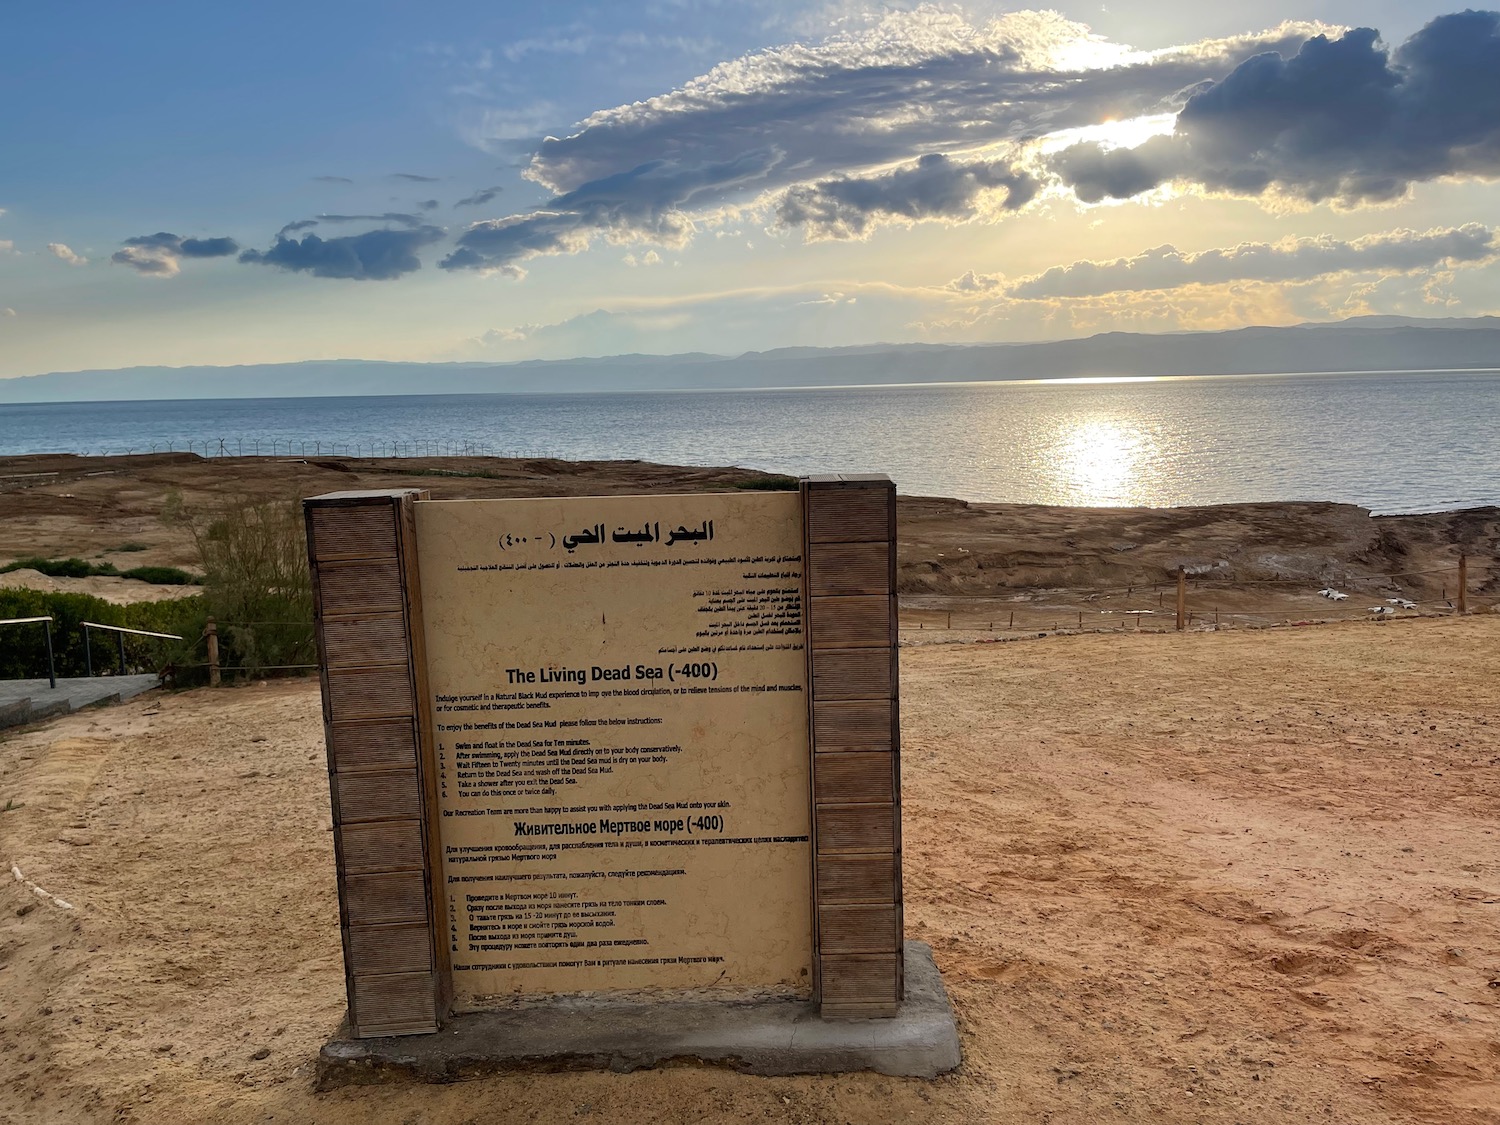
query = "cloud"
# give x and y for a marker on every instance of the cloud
(300, 224)
(207, 247)
(63, 252)
(936, 187)
(333, 179)
(8, 247)
(831, 121)
(427, 204)
(158, 255)
(1340, 119)
(480, 197)
(412, 177)
(387, 217)
(1300, 259)
(376, 255)
(7, 311)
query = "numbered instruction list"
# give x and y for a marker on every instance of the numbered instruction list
(618, 699)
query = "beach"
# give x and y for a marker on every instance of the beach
(1227, 875)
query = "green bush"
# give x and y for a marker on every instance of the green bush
(161, 575)
(23, 648)
(80, 568)
(55, 568)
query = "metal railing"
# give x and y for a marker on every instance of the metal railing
(47, 622)
(119, 631)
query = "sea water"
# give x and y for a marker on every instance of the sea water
(1393, 442)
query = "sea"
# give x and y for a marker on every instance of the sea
(1392, 442)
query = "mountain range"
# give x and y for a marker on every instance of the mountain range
(1373, 343)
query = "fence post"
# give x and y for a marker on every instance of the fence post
(51, 664)
(121, 638)
(1463, 584)
(1181, 599)
(211, 633)
(88, 652)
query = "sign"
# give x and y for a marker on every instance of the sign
(612, 746)
(618, 698)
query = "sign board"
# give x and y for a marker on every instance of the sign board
(612, 745)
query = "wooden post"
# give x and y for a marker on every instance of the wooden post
(850, 607)
(1181, 599)
(1463, 584)
(211, 633)
(1012, 619)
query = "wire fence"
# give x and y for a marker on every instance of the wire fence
(319, 447)
(1201, 603)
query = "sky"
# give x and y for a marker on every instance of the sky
(187, 183)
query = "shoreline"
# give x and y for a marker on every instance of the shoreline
(1259, 559)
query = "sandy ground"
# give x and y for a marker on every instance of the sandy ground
(119, 591)
(1225, 877)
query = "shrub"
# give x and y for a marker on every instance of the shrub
(256, 582)
(23, 648)
(54, 568)
(161, 575)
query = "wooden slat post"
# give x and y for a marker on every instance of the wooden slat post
(211, 635)
(367, 608)
(1181, 599)
(1463, 584)
(849, 539)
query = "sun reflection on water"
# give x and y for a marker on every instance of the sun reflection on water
(1105, 462)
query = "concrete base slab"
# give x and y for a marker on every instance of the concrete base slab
(30, 701)
(756, 1037)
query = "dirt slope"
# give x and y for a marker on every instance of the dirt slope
(1232, 877)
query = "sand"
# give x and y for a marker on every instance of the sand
(1242, 876)
(117, 591)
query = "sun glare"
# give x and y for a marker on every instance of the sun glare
(1126, 133)
(1105, 462)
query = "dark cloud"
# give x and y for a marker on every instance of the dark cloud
(650, 200)
(376, 255)
(161, 240)
(1303, 259)
(207, 247)
(1340, 119)
(919, 84)
(482, 196)
(333, 179)
(300, 224)
(412, 177)
(427, 204)
(500, 243)
(158, 255)
(936, 187)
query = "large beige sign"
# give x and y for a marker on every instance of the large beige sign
(618, 700)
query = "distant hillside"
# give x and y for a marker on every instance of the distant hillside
(1361, 344)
